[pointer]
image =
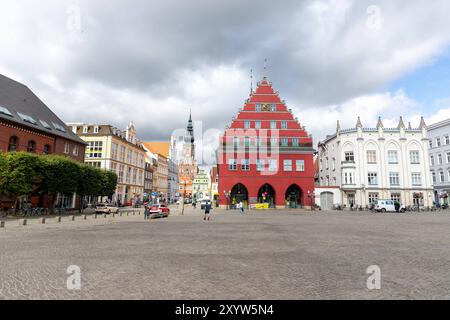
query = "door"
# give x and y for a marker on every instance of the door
(326, 200)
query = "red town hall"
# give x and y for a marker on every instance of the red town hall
(265, 157)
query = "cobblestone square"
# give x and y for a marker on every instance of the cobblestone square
(259, 255)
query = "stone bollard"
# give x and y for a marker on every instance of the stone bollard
(120, 214)
(95, 216)
(58, 219)
(113, 215)
(22, 222)
(128, 214)
(72, 218)
(134, 213)
(104, 216)
(2, 224)
(42, 220)
(85, 217)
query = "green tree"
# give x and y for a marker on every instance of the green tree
(90, 182)
(109, 183)
(18, 173)
(59, 175)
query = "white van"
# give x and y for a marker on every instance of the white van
(387, 206)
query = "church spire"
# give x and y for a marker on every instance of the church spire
(380, 123)
(401, 124)
(359, 123)
(422, 125)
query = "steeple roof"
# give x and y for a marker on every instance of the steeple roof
(401, 124)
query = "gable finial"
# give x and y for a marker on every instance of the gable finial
(401, 124)
(338, 126)
(265, 68)
(251, 81)
(422, 125)
(359, 123)
(380, 123)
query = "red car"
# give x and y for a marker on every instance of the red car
(159, 211)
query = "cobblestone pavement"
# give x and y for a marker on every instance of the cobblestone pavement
(263, 255)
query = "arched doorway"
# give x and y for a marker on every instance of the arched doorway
(266, 194)
(239, 193)
(294, 197)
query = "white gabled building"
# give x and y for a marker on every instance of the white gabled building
(359, 165)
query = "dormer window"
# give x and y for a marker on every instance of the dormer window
(26, 118)
(95, 129)
(45, 124)
(59, 127)
(273, 107)
(5, 111)
(85, 129)
(258, 107)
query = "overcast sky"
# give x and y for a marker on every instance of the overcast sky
(151, 61)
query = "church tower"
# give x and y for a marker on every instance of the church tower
(187, 165)
(189, 141)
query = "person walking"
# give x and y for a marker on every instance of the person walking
(208, 209)
(397, 206)
(146, 213)
(241, 207)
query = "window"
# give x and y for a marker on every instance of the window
(431, 144)
(447, 140)
(245, 164)
(31, 147)
(300, 165)
(371, 156)
(75, 151)
(433, 175)
(13, 144)
(415, 157)
(26, 118)
(46, 149)
(232, 164)
(59, 127)
(258, 107)
(373, 178)
(114, 147)
(236, 141)
(284, 142)
(348, 178)
(258, 141)
(94, 149)
(396, 197)
(95, 129)
(394, 178)
(273, 141)
(66, 148)
(440, 159)
(438, 142)
(85, 129)
(247, 141)
(373, 197)
(448, 157)
(5, 111)
(441, 176)
(273, 124)
(47, 126)
(416, 179)
(258, 124)
(273, 165)
(122, 154)
(260, 165)
(129, 156)
(273, 107)
(392, 156)
(333, 164)
(349, 156)
(120, 175)
(284, 124)
(287, 165)
(432, 160)
(247, 124)
(295, 142)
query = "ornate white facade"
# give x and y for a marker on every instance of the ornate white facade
(365, 164)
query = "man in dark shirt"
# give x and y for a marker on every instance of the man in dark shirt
(207, 210)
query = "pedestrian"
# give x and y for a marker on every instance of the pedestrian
(241, 207)
(351, 206)
(208, 209)
(146, 213)
(397, 206)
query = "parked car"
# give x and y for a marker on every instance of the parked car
(203, 203)
(106, 208)
(159, 211)
(387, 206)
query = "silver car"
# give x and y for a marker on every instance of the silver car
(106, 208)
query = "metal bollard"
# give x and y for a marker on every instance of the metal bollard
(72, 218)
(42, 220)
(120, 214)
(104, 216)
(95, 216)
(2, 224)
(58, 219)
(113, 215)
(85, 217)
(128, 214)
(22, 222)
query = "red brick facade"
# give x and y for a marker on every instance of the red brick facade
(266, 156)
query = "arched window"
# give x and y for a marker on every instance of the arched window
(13, 144)
(46, 149)
(31, 146)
